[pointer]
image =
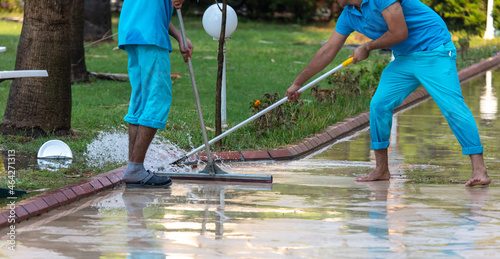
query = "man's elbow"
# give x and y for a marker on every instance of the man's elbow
(403, 35)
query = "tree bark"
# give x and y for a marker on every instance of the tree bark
(220, 59)
(97, 20)
(40, 105)
(78, 67)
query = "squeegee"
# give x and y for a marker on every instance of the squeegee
(268, 109)
(212, 172)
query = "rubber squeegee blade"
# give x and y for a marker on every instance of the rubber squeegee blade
(213, 173)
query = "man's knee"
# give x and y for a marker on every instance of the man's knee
(378, 106)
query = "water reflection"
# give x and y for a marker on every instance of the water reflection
(489, 102)
(142, 240)
(377, 205)
(184, 217)
(54, 164)
(396, 223)
(479, 197)
(396, 157)
(300, 216)
(384, 200)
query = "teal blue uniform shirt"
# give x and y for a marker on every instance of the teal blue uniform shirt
(426, 29)
(145, 23)
(143, 31)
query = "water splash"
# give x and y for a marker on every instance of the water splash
(112, 147)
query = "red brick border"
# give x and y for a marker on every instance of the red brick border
(44, 202)
(4, 220)
(255, 155)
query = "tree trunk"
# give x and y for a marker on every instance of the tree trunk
(220, 59)
(97, 20)
(41, 105)
(78, 67)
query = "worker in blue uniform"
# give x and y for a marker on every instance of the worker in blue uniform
(424, 55)
(144, 31)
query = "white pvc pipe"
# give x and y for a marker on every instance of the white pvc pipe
(223, 91)
(23, 73)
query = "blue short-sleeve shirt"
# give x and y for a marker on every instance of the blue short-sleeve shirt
(145, 22)
(426, 29)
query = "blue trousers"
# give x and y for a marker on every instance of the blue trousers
(436, 71)
(149, 74)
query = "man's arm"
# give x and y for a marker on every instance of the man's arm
(398, 32)
(172, 30)
(176, 34)
(321, 59)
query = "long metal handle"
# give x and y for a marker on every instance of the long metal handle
(195, 89)
(312, 83)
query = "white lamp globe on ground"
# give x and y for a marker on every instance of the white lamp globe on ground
(212, 20)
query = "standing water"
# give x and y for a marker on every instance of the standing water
(314, 209)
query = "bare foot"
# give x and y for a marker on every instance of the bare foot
(483, 179)
(381, 171)
(375, 175)
(479, 173)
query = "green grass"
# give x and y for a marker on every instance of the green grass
(261, 58)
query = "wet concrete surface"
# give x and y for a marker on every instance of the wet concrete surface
(313, 209)
(302, 215)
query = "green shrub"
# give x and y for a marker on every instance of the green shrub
(282, 116)
(11, 6)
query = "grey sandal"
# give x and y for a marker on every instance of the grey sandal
(151, 181)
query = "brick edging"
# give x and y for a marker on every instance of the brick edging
(478, 68)
(44, 202)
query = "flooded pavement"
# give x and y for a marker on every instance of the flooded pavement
(314, 209)
(301, 216)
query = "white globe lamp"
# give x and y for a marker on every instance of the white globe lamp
(212, 23)
(212, 20)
